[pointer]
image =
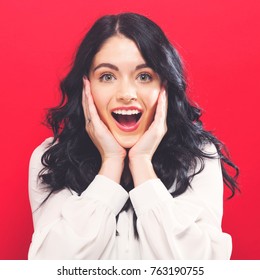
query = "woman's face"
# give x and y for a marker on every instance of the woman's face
(125, 90)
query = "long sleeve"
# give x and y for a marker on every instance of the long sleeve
(68, 226)
(185, 227)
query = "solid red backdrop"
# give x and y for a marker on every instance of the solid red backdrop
(219, 42)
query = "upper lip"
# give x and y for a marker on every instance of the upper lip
(127, 108)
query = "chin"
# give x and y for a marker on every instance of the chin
(127, 145)
(127, 142)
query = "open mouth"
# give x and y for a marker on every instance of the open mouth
(127, 119)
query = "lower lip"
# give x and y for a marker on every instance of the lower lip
(128, 128)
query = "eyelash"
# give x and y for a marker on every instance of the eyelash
(103, 77)
(147, 75)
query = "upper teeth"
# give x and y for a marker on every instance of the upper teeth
(126, 112)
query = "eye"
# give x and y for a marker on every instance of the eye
(144, 77)
(107, 77)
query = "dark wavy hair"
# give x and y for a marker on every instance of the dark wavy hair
(72, 161)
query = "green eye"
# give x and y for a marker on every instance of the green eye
(145, 77)
(107, 78)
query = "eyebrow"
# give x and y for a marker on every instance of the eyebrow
(141, 66)
(112, 66)
(109, 65)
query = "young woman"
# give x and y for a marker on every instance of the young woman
(130, 172)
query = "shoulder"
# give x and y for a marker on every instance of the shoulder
(35, 164)
(209, 149)
(208, 165)
(39, 151)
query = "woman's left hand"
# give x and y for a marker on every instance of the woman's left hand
(140, 155)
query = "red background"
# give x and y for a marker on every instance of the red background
(219, 42)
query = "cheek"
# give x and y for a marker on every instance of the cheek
(150, 98)
(101, 100)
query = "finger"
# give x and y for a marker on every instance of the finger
(164, 108)
(161, 110)
(85, 93)
(91, 110)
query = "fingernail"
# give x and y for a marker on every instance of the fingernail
(85, 79)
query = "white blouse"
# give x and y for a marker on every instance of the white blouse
(68, 226)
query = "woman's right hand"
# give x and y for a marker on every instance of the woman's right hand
(111, 152)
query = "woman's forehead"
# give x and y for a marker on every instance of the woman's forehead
(119, 50)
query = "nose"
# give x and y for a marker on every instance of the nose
(126, 92)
